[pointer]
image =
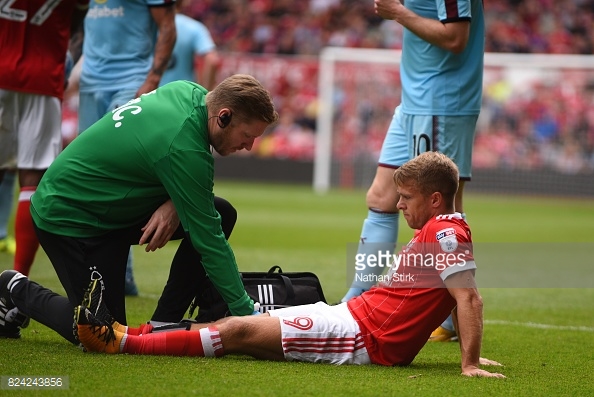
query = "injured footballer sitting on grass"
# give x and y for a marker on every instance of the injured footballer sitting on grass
(387, 325)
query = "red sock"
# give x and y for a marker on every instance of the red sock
(142, 329)
(205, 343)
(26, 239)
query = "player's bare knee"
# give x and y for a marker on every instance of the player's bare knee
(237, 329)
(374, 198)
(382, 201)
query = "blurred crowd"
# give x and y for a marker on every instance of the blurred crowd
(304, 27)
(544, 124)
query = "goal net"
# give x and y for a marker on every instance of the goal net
(535, 132)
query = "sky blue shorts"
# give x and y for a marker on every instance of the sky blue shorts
(94, 105)
(410, 135)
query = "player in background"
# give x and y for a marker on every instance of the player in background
(127, 45)
(441, 73)
(7, 242)
(194, 46)
(387, 325)
(143, 174)
(34, 39)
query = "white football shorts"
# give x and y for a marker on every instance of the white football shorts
(320, 333)
(30, 130)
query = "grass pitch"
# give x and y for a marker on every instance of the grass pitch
(543, 336)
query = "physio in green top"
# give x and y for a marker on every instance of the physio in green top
(143, 174)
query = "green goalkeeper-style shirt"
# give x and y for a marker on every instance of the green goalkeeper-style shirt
(123, 167)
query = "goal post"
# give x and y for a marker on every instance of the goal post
(329, 57)
(538, 107)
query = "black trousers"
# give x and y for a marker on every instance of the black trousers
(76, 259)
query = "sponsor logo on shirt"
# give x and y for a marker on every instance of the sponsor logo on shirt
(447, 239)
(105, 12)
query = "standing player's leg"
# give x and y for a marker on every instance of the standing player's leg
(9, 102)
(7, 243)
(40, 142)
(380, 228)
(131, 288)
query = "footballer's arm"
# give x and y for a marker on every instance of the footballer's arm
(164, 17)
(482, 360)
(469, 321)
(451, 36)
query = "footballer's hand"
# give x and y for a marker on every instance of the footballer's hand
(159, 229)
(388, 9)
(481, 373)
(486, 361)
(150, 84)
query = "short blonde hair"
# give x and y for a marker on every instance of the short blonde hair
(245, 96)
(430, 172)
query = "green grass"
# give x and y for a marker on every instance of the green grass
(543, 336)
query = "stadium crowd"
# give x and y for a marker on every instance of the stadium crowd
(533, 126)
(305, 27)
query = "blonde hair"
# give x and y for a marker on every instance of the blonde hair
(430, 172)
(245, 97)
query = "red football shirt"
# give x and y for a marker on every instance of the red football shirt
(34, 38)
(397, 316)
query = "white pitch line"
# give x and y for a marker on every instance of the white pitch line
(495, 322)
(541, 326)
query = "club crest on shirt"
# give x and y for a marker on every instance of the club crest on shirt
(447, 239)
